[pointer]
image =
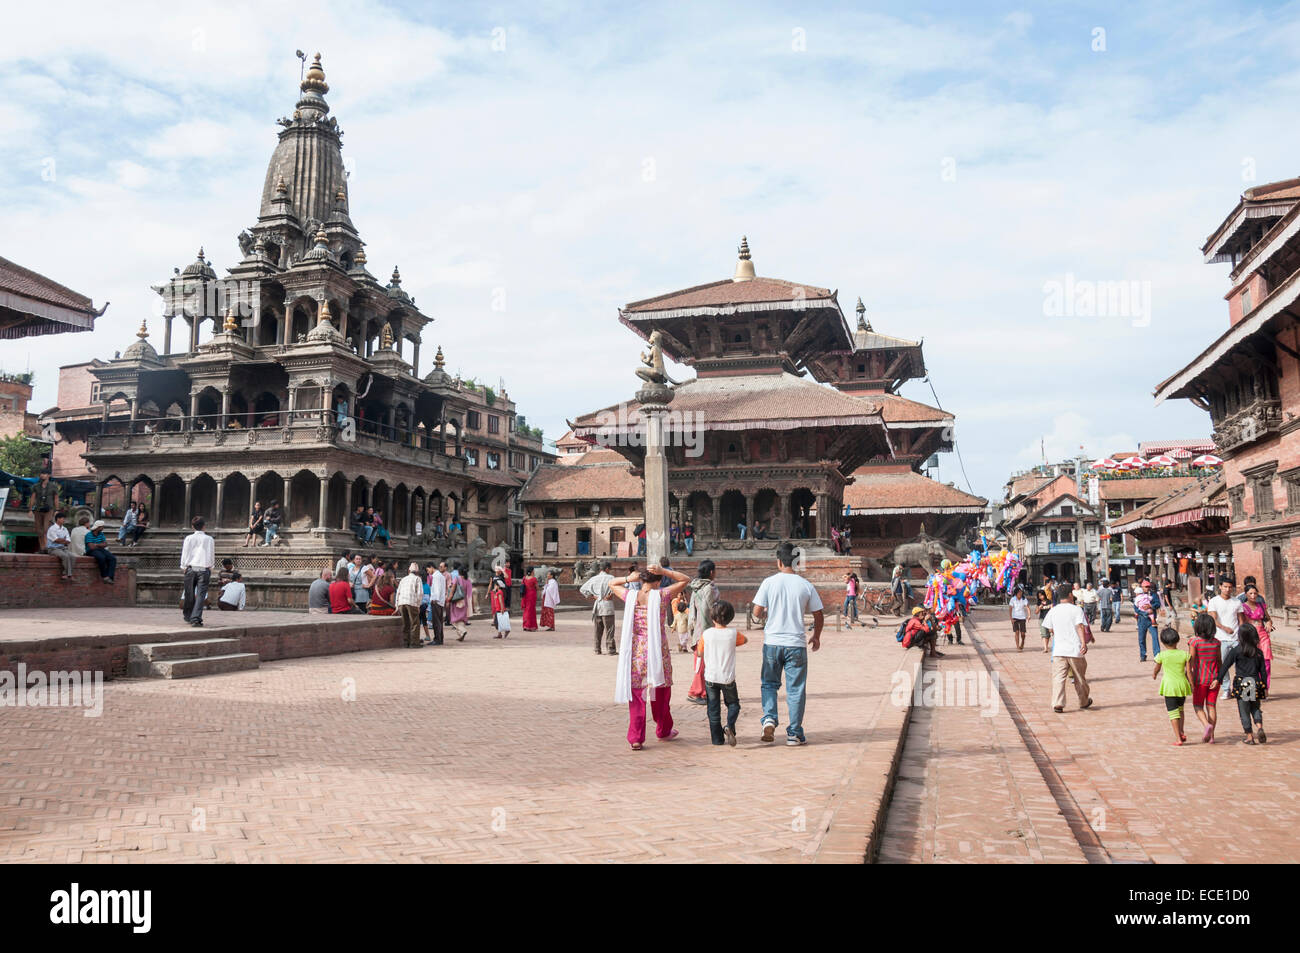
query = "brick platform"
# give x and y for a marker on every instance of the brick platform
(31, 580)
(100, 639)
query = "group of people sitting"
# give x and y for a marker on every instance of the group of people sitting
(367, 524)
(87, 539)
(264, 525)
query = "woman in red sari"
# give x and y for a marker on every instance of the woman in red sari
(381, 598)
(529, 583)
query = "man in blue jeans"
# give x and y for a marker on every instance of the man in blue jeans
(780, 604)
(1145, 607)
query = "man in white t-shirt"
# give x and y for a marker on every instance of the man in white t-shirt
(1228, 616)
(781, 602)
(1019, 617)
(1066, 623)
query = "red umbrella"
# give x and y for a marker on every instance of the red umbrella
(1132, 463)
(1207, 460)
(1163, 460)
(1105, 463)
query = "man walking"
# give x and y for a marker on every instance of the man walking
(602, 611)
(1065, 622)
(197, 560)
(410, 594)
(1106, 602)
(1228, 616)
(781, 602)
(1145, 606)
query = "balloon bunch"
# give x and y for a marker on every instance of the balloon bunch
(952, 590)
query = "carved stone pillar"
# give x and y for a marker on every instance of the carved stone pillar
(415, 359)
(221, 496)
(194, 333)
(717, 515)
(324, 501)
(225, 408)
(186, 515)
(167, 334)
(284, 501)
(749, 515)
(194, 411)
(347, 504)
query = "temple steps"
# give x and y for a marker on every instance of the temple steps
(189, 659)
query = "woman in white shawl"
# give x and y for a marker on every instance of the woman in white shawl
(645, 670)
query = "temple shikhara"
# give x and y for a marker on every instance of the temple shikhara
(792, 428)
(297, 378)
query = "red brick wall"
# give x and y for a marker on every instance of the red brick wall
(32, 581)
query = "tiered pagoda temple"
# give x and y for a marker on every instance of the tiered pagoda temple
(792, 423)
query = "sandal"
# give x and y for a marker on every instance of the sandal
(1058, 710)
(636, 747)
(1261, 737)
(1247, 741)
(670, 736)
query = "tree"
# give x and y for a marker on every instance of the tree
(20, 456)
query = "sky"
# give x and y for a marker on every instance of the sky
(963, 167)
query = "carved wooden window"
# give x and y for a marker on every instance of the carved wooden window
(618, 534)
(1261, 491)
(472, 419)
(494, 423)
(1292, 481)
(1237, 500)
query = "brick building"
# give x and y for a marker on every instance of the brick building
(1248, 380)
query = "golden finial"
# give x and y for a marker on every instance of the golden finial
(315, 78)
(231, 324)
(744, 266)
(386, 340)
(361, 256)
(201, 253)
(397, 276)
(325, 316)
(438, 361)
(144, 329)
(862, 310)
(340, 196)
(280, 187)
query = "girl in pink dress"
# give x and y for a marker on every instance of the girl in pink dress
(645, 668)
(1256, 614)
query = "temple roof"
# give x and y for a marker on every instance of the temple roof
(898, 411)
(31, 304)
(727, 295)
(579, 480)
(1269, 201)
(764, 401)
(1196, 501)
(890, 491)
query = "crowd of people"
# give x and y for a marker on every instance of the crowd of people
(1230, 632)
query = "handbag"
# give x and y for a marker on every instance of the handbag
(697, 683)
(503, 621)
(1088, 637)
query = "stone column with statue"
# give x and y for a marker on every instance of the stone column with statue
(654, 397)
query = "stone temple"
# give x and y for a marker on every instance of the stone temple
(297, 377)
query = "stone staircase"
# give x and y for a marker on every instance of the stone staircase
(189, 659)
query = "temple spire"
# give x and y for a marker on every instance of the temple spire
(315, 78)
(862, 320)
(744, 266)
